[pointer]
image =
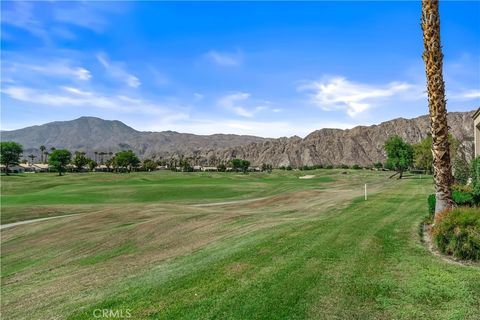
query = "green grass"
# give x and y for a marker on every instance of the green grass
(27, 190)
(317, 251)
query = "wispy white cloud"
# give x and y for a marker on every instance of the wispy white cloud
(49, 20)
(224, 58)
(58, 68)
(233, 103)
(471, 94)
(117, 71)
(159, 78)
(198, 96)
(74, 97)
(20, 14)
(241, 104)
(338, 93)
(81, 14)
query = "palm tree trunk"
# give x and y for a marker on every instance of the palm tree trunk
(433, 58)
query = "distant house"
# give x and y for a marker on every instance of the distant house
(209, 169)
(101, 168)
(476, 127)
(26, 167)
(40, 167)
(13, 169)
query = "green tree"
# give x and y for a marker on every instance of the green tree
(126, 160)
(149, 165)
(222, 167)
(267, 167)
(10, 153)
(475, 175)
(378, 165)
(236, 164)
(240, 165)
(423, 152)
(59, 160)
(399, 155)
(461, 170)
(91, 164)
(79, 161)
(110, 163)
(245, 165)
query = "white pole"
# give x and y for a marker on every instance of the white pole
(365, 192)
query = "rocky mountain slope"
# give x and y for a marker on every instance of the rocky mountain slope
(361, 145)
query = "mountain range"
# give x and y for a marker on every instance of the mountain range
(362, 145)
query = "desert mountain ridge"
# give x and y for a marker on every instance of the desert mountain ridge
(361, 145)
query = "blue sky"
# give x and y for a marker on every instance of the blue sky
(263, 68)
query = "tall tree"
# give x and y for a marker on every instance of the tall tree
(80, 161)
(399, 155)
(433, 58)
(42, 152)
(126, 160)
(32, 156)
(10, 153)
(59, 160)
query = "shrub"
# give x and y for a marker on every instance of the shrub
(356, 167)
(431, 204)
(344, 166)
(462, 198)
(457, 232)
(475, 175)
(329, 167)
(462, 188)
(461, 170)
(475, 171)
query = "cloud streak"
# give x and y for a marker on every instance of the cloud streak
(44, 71)
(117, 71)
(224, 58)
(74, 97)
(338, 93)
(240, 104)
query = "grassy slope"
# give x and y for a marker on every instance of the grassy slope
(359, 261)
(362, 262)
(30, 196)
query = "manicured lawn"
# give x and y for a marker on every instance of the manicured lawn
(22, 192)
(309, 249)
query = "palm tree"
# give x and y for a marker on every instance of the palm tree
(433, 58)
(42, 151)
(46, 156)
(101, 156)
(96, 154)
(31, 156)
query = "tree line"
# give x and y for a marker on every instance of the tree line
(123, 161)
(402, 156)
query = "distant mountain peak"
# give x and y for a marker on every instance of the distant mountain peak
(361, 145)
